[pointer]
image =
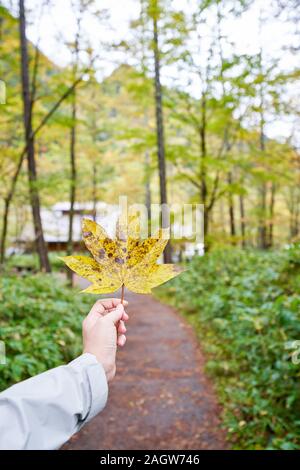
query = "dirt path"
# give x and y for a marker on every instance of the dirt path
(160, 398)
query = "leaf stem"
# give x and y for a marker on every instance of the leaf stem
(122, 294)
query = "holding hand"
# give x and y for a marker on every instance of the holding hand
(103, 330)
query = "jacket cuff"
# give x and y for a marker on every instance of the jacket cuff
(93, 383)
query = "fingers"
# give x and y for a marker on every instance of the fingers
(97, 308)
(121, 340)
(112, 303)
(96, 311)
(121, 327)
(117, 314)
(102, 307)
(125, 316)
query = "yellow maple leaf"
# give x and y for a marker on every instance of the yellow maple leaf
(126, 260)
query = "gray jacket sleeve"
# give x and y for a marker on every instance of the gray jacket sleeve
(44, 411)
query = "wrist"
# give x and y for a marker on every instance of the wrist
(109, 370)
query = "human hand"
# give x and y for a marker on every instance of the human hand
(103, 330)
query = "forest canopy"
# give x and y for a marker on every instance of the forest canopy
(183, 115)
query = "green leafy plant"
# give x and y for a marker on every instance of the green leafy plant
(245, 307)
(40, 324)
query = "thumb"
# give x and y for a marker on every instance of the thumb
(116, 315)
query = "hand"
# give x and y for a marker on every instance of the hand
(102, 330)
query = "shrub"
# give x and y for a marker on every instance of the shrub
(245, 307)
(40, 323)
(30, 262)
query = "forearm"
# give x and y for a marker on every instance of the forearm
(45, 411)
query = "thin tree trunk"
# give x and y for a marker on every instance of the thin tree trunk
(32, 172)
(160, 129)
(231, 209)
(203, 164)
(262, 225)
(262, 229)
(271, 224)
(8, 199)
(95, 199)
(73, 175)
(7, 202)
(147, 185)
(292, 207)
(242, 220)
(73, 180)
(297, 211)
(4, 231)
(203, 184)
(232, 219)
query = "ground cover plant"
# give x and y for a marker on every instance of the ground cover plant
(245, 306)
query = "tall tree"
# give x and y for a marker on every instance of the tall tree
(262, 225)
(157, 29)
(73, 136)
(154, 12)
(81, 9)
(30, 149)
(204, 155)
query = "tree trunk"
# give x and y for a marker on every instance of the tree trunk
(262, 225)
(73, 180)
(297, 211)
(242, 219)
(232, 219)
(271, 224)
(231, 209)
(73, 175)
(160, 129)
(205, 225)
(262, 229)
(147, 185)
(95, 192)
(32, 172)
(203, 163)
(9, 197)
(203, 183)
(4, 231)
(7, 202)
(294, 206)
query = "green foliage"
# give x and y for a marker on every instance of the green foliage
(40, 324)
(30, 262)
(245, 307)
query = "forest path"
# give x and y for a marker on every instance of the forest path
(160, 397)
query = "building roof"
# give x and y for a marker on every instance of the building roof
(55, 221)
